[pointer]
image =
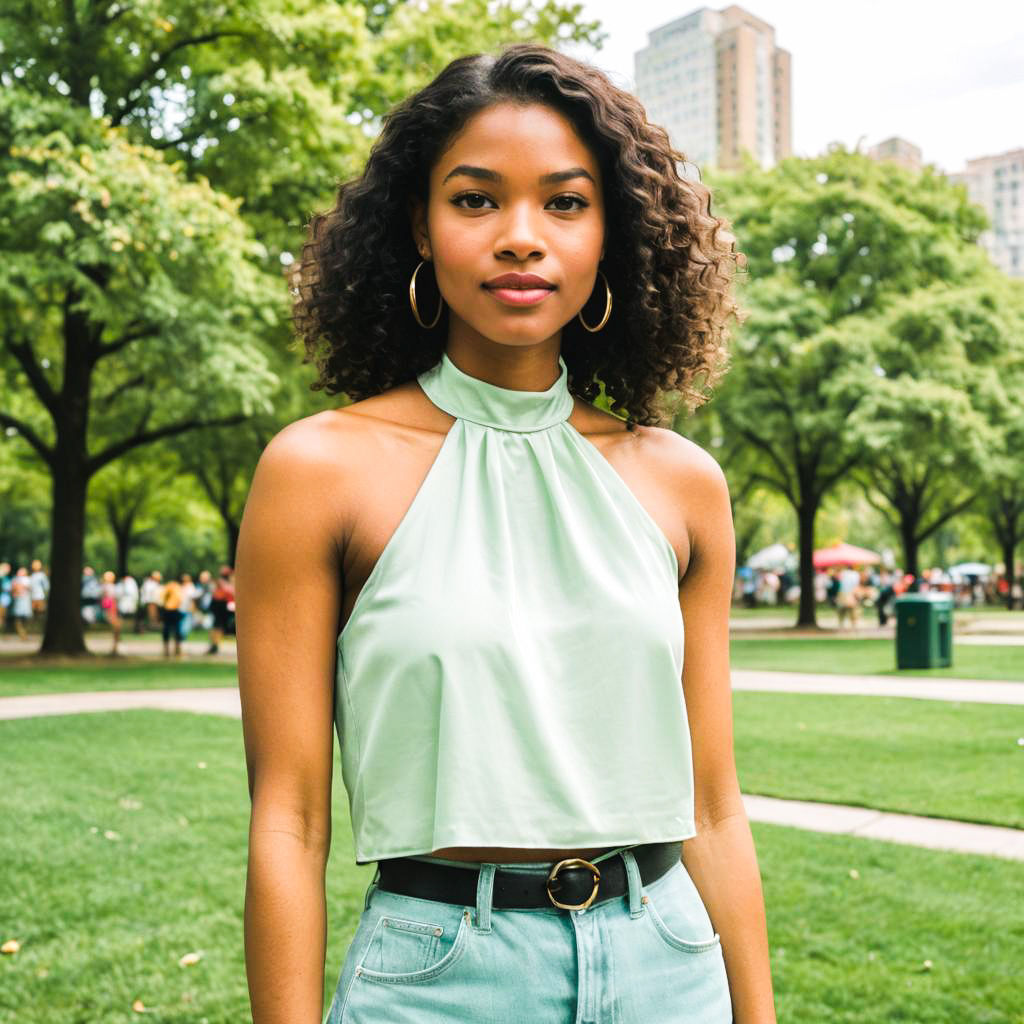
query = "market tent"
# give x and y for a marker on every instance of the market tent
(844, 554)
(970, 569)
(775, 556)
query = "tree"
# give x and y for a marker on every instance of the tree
(123, 289)
(1003, 501)
(830, 243)
(926, 425)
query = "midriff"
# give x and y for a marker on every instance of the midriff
(514, 855)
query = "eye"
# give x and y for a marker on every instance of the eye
(581, 203)
(470, 200)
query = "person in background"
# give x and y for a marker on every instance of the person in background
(188, 605)
(152, 598)
(39, 588)
(172, 617)
(886, 593)
(92, 591)
(5, 592)
(832, 588)
(204, 592)
(21, 602)
(223, 594)
(848, 596)
(128, 599)
(108, 606)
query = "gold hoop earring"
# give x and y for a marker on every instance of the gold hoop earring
(412, 301)
(607, 308)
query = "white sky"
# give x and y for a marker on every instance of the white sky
(948, 77)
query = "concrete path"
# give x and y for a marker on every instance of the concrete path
(215, 700)
(935, 833)
(223, 700)
(971, 691)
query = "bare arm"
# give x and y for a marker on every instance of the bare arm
(288, 583)
(721, 858)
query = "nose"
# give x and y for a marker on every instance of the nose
(520, 236)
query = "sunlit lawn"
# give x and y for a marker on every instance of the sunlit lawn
(125, 673)
(937, 758)
(104, 921)
(868, 656)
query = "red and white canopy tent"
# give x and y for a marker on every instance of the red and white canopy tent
(844, 554)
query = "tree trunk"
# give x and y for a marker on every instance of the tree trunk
(806, 513)
(1009, 546)
(64, 633)
(123, 541)
(231, 527)
(122, 527)
(908, 533)
(1005, 516)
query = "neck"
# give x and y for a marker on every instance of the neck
(518, 367)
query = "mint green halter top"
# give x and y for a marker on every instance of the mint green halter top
(511, 671)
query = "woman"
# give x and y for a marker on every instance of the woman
(128, 600)
(221, 600)
(109, 600)
(5, 592)
(524, 746)
(188, 603)
(21, 602)
(171, 613)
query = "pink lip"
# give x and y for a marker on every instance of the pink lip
(519, 289)
(518, 281)
(520, 296)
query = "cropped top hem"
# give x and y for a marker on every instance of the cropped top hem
(463, 839)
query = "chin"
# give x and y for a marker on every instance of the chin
(517, 329)
(523, 337)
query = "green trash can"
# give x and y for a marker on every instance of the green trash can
(924, 630)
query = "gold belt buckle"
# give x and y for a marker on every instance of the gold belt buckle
(573, 862)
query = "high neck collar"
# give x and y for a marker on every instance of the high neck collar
(466, 397)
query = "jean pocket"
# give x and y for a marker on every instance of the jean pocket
(404, 951)
(677, 913)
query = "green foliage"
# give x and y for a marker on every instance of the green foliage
(162, 273)
(875, 332)
(273, 101)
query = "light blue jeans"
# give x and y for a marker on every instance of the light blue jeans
(651, 956)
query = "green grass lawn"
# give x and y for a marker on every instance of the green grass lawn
(17, 680)
(103, 921)
(868, 656)
(937, 758)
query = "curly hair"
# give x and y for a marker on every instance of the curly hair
(668, 258)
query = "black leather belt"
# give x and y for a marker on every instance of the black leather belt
(571, 884)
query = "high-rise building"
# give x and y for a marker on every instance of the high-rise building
(898, 151)
(716, 81)
(996, 183)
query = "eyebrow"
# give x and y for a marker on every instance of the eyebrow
(486, 174)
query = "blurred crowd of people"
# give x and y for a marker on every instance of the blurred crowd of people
(850, 590)
(173, 606)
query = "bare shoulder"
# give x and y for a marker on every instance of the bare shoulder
(321, 451)
(696, 483)
(684, 463)
(675, 459)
